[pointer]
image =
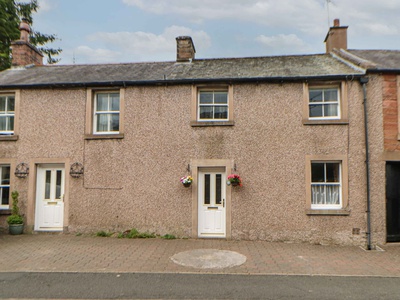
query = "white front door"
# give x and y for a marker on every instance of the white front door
(212, 202)
(49, 213)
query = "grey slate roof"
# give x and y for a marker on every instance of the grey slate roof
(298, 67)
(382, 59)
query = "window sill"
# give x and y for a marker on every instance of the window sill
(8, 137)
(327, 212)
(325, 122)
(103, 136)
(211, 123)
(5, 212)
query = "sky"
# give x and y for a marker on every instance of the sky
(120, 31)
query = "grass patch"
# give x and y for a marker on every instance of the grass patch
(135, 234)
(103, 233)
(169, 237)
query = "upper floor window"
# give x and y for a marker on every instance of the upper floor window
(213, 105)
(324, 103)
(7, 113)
(106, 113)
(4, 186)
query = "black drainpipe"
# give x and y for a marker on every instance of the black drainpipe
(364, 81)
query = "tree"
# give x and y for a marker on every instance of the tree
(9, 32)
(11, 13)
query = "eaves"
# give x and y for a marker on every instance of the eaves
(125, 83)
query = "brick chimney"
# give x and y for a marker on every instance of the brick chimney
(184, 49)
(336, 37)
(24, 53)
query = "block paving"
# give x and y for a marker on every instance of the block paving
(70, 253)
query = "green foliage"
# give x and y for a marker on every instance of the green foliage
(9, 22)
(135, 234)
(11, 12)
(169, 237)
(15, 208)
(132, 234)
(15, 217)
(103, 233)
(146, 235)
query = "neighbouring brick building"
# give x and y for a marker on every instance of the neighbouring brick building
(107, 144)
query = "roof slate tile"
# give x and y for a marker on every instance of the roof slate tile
(259, 68)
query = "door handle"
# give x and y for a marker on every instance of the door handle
(223, 202)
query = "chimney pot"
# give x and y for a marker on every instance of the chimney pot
(336, 23)
(25, 30)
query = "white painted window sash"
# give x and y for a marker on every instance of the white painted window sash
(4, 186)
(7, 115)
(107, 113)
(326, 103)
(213, 105)
(322, 192)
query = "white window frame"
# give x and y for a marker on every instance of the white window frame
(7, 115)
(323, 103)
(2, 186)
(324, 184)
(106, 112)
(212, 104)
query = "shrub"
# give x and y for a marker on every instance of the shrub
(15, 219)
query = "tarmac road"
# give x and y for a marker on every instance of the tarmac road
(52, 285)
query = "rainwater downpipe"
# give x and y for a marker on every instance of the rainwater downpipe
(364, 81)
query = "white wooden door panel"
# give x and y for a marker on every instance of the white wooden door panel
(49, 211)
(211, 203)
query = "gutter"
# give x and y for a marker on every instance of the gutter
(383, 71)
(182, 81)
(364, 81)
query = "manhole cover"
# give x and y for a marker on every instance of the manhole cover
(209, 258)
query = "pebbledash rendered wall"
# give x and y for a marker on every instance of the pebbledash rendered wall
(134, 181)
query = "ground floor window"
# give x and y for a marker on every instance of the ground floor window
(326, 185)
(4, 186)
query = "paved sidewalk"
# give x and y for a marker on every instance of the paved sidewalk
(69, 253)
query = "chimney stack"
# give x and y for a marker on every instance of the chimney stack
(185, 50)
(336, 37)
(24, 53)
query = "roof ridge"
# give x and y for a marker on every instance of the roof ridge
(354, 59)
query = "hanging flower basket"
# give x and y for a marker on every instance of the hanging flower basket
(234, 180)
(186, 180)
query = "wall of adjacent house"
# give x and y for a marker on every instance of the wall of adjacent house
(388, 92)
(390, 86)
(134, 181)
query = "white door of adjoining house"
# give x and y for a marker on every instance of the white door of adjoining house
(212, 202)
(49, 212)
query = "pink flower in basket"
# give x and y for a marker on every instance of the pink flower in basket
(235, 180)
